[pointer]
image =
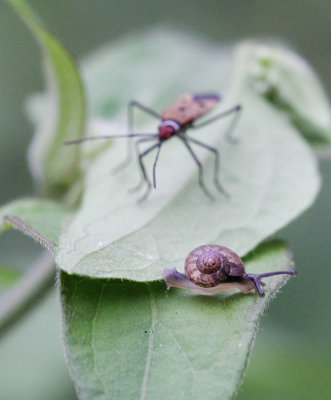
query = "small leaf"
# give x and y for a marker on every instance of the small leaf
(53, 168)
(32, 363)
(8, 276)
(127, 340)
(270, 174)
(288, 82)
(41, 219)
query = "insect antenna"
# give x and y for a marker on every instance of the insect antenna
(90, 138)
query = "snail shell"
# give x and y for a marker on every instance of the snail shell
(211, 264)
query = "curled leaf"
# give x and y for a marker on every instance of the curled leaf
(63, 112)
(288, 82)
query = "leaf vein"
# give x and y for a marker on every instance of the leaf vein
(150, 344)
(93, 340)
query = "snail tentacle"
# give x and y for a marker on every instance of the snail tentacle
(211, 268)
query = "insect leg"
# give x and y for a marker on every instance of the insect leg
(155, 162)
(228, 134)
(134, 103)
(216, 165)
(154, 167)
(197, 161)
(130, 125)
(144, 174)
(142, 180)
(131, 106)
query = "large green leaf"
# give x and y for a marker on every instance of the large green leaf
(270, 173)
(64, 114)
(127, 340)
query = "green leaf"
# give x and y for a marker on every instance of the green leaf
(43, 220)
(127, 340)
(8, 276)
(54, 168)
(289, 83)
(138, 67)
(270, 174)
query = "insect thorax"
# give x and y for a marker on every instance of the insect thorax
(168, 128)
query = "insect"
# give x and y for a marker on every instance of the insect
(211, 268)
(175, 120)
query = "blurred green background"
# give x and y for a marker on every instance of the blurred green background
(291, 358)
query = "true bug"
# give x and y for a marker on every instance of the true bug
(176, 119)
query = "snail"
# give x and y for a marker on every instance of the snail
(212, 268)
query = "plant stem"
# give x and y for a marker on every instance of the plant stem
(27, 291)
(18, 224)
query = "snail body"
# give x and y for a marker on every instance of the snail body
(212, 268)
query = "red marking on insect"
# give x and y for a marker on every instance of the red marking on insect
(166, 131)
(176, 119)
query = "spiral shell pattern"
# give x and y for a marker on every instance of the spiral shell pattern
(211, 265)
